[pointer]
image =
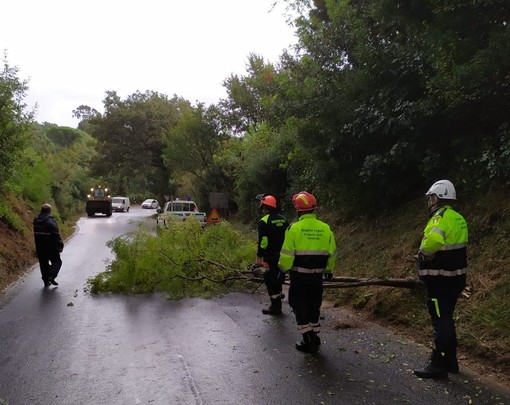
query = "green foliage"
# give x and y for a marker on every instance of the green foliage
(259, 169)
(58, 168)
(8, 216)
(184, 260)
(253, 98)
(380, 99)
(493, 313)
(54, 173)
(14, 122)
(189, 152)
(71, 175)
(86, 114)
(64, 137)
(383, 247)
(130, 140)
(391, 96)
(35, 179)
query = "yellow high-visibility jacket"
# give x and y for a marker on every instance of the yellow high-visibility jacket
(309, 246)
(445, 237)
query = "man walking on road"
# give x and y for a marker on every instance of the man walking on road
(309, 254)
(48, 245)
(442, 266)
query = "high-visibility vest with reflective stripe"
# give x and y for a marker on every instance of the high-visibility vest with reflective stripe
(309, 246)
(445, 237)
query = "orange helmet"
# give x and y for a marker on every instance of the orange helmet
(304, 201)
(268, 201)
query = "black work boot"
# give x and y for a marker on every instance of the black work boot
(308, 344)
(304, 345)
(275, 308)
(315, 342)
(451, 361)
(437, 368)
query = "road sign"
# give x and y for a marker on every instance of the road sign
(213, 217)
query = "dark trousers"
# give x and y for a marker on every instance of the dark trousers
(274, 286)
(305, 298)
(50, 264)
(441, 307)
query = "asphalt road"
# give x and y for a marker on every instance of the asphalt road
(62, 345)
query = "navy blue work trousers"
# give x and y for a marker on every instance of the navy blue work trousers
(305, 297)
(441, 308)
(274, 286)
(50, 264)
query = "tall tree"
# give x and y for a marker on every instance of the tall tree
(85, 113)
(252, 98)
(469, 44)
(190, 147)
(130, 135)
(396, 93)
(15, 121)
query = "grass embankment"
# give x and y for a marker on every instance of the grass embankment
(384, 247)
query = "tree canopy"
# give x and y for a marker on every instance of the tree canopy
(376, 98)
(15, 122)
(130, 137)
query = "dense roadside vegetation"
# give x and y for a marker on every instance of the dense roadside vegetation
(384, 247)
(377, 100)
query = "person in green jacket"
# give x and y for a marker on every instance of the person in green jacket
(442, 266)
(308, 254)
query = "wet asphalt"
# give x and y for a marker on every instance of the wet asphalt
(62, 345)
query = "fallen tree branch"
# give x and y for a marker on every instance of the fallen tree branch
(388, 282)
(217, 264)
(202, 278)
(350, 282)
(335, 282)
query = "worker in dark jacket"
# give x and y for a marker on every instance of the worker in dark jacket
(442, 266)
(48, 245)
(271, 232)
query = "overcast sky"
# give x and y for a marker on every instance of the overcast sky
(73, 52)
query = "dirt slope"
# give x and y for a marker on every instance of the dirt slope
(17, 251)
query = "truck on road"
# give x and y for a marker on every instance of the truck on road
(179, 211)
(99, 201)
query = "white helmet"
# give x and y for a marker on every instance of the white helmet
(443, 189)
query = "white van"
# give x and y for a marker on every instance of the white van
(121, 204)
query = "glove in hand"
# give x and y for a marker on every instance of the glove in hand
(281, 276)
(328, 276)
(257, 269)
(252, 266)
